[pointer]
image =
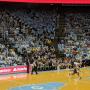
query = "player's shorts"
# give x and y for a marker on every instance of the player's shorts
(75, 71)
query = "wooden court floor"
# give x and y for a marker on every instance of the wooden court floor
(70, 82)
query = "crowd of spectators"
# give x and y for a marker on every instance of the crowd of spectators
(33, 30)
(77, 27)
(76, 43)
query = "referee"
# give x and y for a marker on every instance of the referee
(28, 64)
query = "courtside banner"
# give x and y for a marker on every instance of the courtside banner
(51, 1)
(13, 69)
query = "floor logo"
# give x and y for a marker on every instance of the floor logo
(48, 86)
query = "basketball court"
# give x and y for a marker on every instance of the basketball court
(50, 80)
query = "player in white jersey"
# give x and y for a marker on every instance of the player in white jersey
(76, 69)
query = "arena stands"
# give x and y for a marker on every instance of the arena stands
(22, 31)
(31, 32)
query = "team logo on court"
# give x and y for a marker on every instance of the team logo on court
(48, 86)
(37, 87)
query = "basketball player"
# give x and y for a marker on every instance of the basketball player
(76, 70)
(34, 67)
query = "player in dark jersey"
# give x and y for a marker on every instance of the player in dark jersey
(35, 67)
